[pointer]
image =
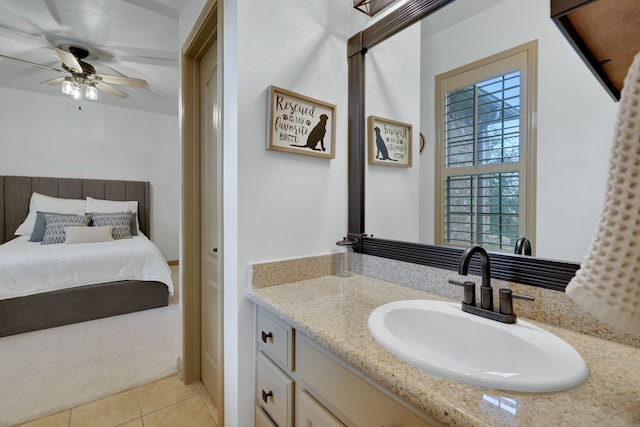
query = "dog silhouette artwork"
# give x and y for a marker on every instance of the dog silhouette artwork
(381, 153)
(316, 135)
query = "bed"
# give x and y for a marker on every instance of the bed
(93, 293)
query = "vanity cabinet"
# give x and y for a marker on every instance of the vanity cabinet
(299, 383)
(274, 366)
(262, 419)
(351, 396)
(309, 412)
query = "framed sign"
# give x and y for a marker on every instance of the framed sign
(302, 125)
(389, 142)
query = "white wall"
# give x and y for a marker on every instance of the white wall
(289, 205)
(277, 205)
(43, 135)
(393, 92)
(575, 121)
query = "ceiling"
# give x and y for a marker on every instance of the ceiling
(453, 14)
(132, 38)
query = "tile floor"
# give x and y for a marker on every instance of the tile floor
(166, 402)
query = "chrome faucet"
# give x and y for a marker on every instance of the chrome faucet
(504, 312)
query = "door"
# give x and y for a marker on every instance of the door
(211, 231)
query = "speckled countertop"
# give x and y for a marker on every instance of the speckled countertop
(334, 311)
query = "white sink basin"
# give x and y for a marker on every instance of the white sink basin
(444, 341)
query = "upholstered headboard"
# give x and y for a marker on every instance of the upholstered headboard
(15, 195)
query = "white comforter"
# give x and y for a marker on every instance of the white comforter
(28, 268)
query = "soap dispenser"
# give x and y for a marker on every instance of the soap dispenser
(343, 257)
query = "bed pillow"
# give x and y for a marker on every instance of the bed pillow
(42, 203)
(110, 206)
(77, 234)
(38, 229)
(120, 221)
(56, 224)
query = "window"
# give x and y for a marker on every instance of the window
(485, 181)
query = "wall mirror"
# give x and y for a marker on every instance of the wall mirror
(400, 56)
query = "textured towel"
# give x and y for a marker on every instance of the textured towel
(608, 282)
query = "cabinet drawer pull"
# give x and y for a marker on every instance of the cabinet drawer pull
(265, 336)
(266, 395)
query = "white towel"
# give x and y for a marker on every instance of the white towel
(608, 282)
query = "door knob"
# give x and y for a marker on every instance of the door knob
(265, 336)
(266, 395)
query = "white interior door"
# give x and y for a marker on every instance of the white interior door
(211, 253)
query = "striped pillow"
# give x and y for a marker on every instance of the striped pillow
(120, 221)
(54, 230)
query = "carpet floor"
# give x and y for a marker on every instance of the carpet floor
(43, 372)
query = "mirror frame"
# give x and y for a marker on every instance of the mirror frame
(545, 273)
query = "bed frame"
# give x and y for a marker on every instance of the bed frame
(63, 307)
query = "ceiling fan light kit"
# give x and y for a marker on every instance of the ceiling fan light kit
(67, 86)
(72, 86)
(75, 93)
(82, 75)
(91, 93)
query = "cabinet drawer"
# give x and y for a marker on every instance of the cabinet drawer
(262, 419)
(275, 338)
(309, 412)
(349, 395)
(274, 391)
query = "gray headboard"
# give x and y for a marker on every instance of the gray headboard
(15, 195)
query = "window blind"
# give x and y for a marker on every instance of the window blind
(483, 209)
(483, 131)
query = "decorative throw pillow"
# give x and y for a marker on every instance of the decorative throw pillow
(88, 234)
(38, 229)
(55, 225)
(109, 206)
(42, 203)
(121, 222)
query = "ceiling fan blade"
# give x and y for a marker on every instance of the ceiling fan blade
(121, 80)
(69, 60)
(46, 67)
(110, 89)
(53, 81)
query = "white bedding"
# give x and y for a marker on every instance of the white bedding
(28, 268)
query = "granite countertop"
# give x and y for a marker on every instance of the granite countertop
(334, 311)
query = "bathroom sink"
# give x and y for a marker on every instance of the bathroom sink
(441, 339)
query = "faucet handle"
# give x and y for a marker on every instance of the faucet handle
(469, 291)
(524, 297)
(506, 300)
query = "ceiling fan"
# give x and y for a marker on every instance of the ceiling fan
(83, 74)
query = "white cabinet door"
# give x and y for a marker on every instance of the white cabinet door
(348, 394)
(274, 392)
(275, 338)
(262, 420)
(310, 413)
